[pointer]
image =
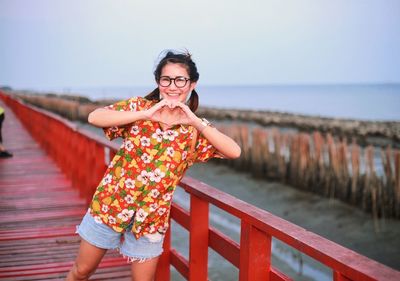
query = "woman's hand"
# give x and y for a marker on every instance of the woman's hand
(171, 113)
(184, 115)
(155, 112)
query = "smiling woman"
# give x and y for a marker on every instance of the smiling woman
(162, 138)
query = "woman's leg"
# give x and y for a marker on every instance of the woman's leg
(88, 259)
(144, 271)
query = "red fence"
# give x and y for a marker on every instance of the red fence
(82, 156)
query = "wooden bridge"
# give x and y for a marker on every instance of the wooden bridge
(45, 189)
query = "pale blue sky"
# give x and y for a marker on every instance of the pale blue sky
(75, 43)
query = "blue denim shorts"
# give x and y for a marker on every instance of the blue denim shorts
(102, 236)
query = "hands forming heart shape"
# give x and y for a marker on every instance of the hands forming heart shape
(170, 113)
(170, 117)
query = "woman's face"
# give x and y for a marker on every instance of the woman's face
(173, 92)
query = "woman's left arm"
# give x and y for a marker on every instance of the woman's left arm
(224, 144)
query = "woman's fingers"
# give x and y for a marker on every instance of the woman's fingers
(160, 105)
(176, 113)
(156, 108)
(182, 116)
(184, 107)
(171, 104)
(186, 110)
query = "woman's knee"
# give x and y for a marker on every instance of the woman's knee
(82, 271)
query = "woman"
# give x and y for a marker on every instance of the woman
(162, 138)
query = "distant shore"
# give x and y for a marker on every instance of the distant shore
(377, 133)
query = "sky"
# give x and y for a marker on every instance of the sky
(98, 43)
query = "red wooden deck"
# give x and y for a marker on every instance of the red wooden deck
(39, 211)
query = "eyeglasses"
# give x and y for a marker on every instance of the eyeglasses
(179, 81)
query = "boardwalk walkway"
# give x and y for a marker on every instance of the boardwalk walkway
(39, 211)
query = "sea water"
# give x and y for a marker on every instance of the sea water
(361, 101)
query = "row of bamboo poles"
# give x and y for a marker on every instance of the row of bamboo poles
(323, 165)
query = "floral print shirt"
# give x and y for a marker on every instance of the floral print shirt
(138, 185)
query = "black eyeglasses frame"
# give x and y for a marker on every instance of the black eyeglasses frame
(173, 79)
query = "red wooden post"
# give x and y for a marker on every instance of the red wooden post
(65, 145)
(57, 143)
(51, 147)
(99, 166)
(255, 253)
(337, 276)
(82, 165)
(69, 156)
(163, 272)
(86, 163)
(94, 156)
(198, 242)
(73, 159)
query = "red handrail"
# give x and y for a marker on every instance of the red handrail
(81, 155)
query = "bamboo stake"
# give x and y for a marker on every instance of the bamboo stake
(294, 159)
(388, 199)
(319, 154)
(355, 170)
(344, 170)
(397, 182)
(258, 137)
(371, 187)
(333, 170)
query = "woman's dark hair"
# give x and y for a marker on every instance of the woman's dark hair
(184, 59)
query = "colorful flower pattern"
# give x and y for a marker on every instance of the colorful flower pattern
(140, 181)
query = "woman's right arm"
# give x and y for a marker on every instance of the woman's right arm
(103, 117)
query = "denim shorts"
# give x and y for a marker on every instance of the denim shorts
(102, 236)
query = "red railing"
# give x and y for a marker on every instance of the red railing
(82, 157)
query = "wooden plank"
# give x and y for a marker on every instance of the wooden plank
(34, 233)
(41, 215)
(49, 268)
